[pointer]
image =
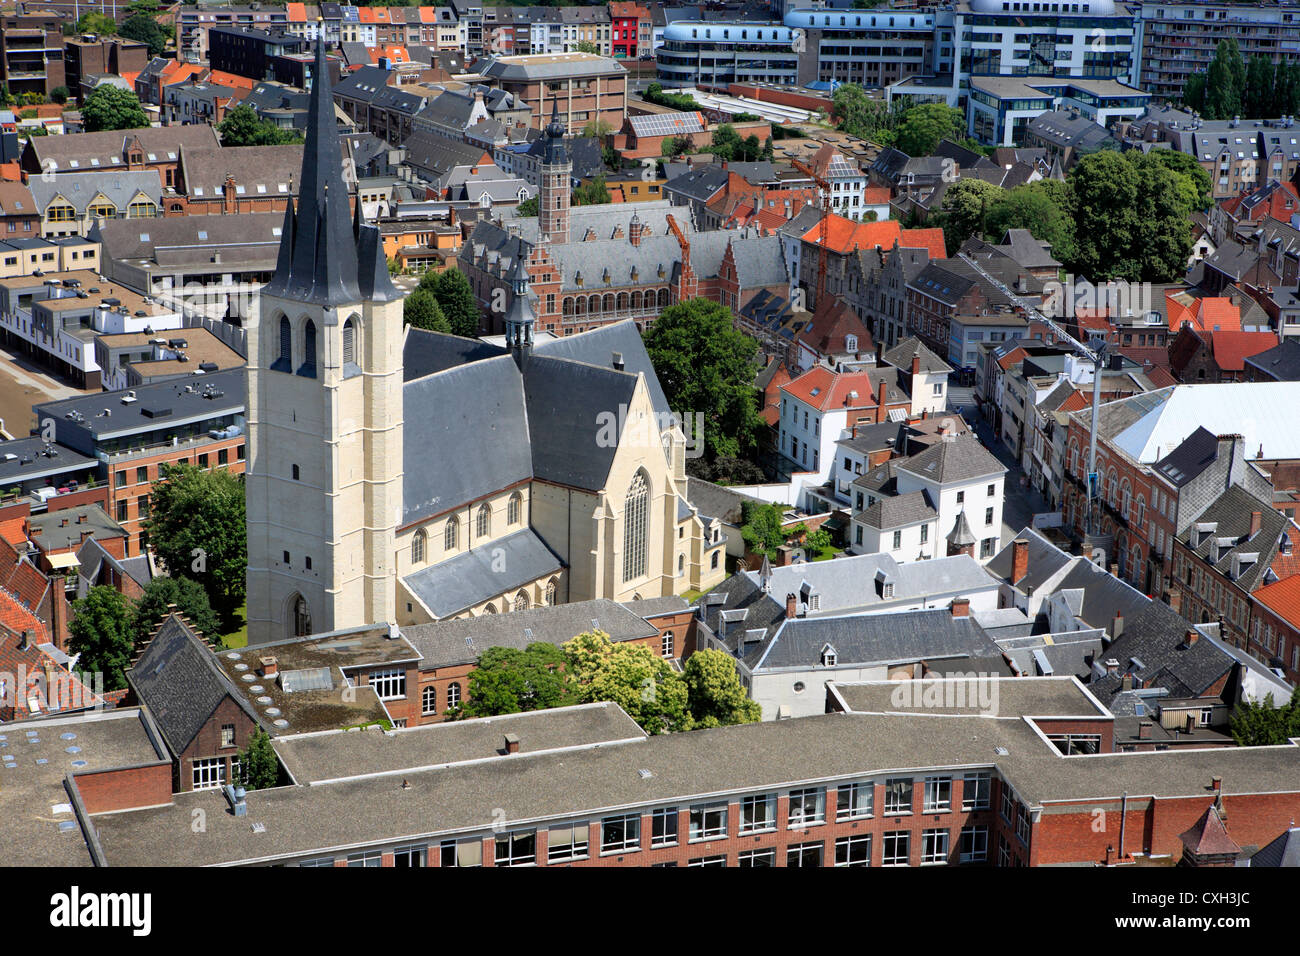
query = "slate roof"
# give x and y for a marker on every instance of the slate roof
(1044, 560)
(479, 574)
(180, 682)
(1230, 540)
(273, 168)
(900, 356)
(462, 641)
(1196, 453)
(109, 147)
(962, 459)
(715, 501)
(425, 352)
(866, 639)
(597, 347)
(1281, 363)
(1284, 851)
(898, 511)
(120, 187)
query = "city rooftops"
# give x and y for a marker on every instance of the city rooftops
(24, 459)
(1029, 697)
(545, 66)
(62, 530)
(151, 407)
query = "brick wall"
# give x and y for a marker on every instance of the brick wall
(207, 743)
(125, 788)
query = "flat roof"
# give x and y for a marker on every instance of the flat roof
(341, 754)
(41, 466)
(35, 757)
(1028, 696)
(530, 789)
(169, 400)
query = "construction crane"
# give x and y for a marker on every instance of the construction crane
(1096, 353)
(825, 189)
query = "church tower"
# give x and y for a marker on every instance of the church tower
(324, 481)
(557, 182)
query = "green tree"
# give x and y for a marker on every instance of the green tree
(456, 299)
(761, 527)
(109, 108)
(60, 94)
(1263, 724)
(597, 129)
(750, 150)
(243, 127)
(586, 46)
(507, 680)
(1225, 82)
(819, 541)
(962, 213)
(592, 193)
(259, 769)
(144, 28)
(421, 310)
(674, 146)
(527, 209)
(922, 127)
(1194, 92)
(714, 695)
(630, 675)
(101, 632)
(707, 366)
(725, 142)
(1043, 207)
(196, 527)
(1259, 86)
(190, 599)
(858, 114)
(100, 24)
(1193, 181)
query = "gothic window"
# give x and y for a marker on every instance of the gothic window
(349, 342)
(309, 350)
(512, 509)
(550, 592)
(449, 535)
(521, 601)
(483, 526)
(286, 344)
(635, 510)
(663, 298)
(301, 617)
(417, 547)
(490, 609)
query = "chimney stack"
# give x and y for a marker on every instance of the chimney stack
(618, 361)
(1117, 626)
(1126, 682)
(1216, 784)
(1019, 559)
(512, 743)
(791, 605)
(25, 641)
(961, 607)
(1193, 636)
(882, 398)
(1191, 725)
(1112, 667)
(270, 666)
(1254, 523)
(916, 367)
(1144, 730)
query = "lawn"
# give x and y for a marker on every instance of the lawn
(237, 636)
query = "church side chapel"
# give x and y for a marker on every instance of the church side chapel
(404, 476)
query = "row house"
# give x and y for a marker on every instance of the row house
(372, 100)
(1237, 215)
(630, 29)
(235, 179)
(156, 149)
(71, 204)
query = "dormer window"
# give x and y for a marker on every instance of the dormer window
(829, 657)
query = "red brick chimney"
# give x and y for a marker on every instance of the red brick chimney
(961, 607)
(1144, 730)
(270, 666)
(882, 398)
(1193, 636)
(512, 743)
(1216, 784)
(791, 605)
(1254, 522)
(916, 366)
(1019, 559)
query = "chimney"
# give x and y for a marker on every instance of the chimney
(618, 361)
(882, 399)
(1144, 730)
(63, 522)
(791, 605)
(1117, 626)
(1216, 784)
(1019, 559)
(880, 352)
(1254, 523)
(1175, 600)
(1191, 726)
(1228, 449)
(961, 607)
(512, 743)
(1114, 570)
(1192, 636)
(1126, 682)
(916, 366)
(1112, 667)
(270, 666)
(81, 518)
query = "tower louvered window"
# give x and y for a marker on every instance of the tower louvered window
(349, 343)
(286, 342)
(309, 349)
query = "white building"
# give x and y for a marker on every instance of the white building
(817, 408)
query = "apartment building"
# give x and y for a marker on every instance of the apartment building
(197, 421)
(586, 86)
(71, 203)
(88, 56)
(194, 21)
(31, 54)
(1179, 39)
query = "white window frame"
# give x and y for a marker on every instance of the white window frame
(978, 838)
(202, 773)
(934, 846)
(976, 789)
(761, 815)
(659, 822)
(806, 816)
(697, 830)
(895, 837)
(512, 857)
(895, 807)
(858, 846)
(630, 842)
(388, 684)
(938, 794)
(575, 848)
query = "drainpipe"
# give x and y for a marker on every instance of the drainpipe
(1123, 818)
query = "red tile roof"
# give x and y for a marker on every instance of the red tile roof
(1231, 349)
(1282, 598)
(1208, 837)
(1209, 314)
(824, 389)
(832, 323)
(845, 235)
(876, 196)
(931, 240)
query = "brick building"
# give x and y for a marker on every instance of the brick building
(586, 86)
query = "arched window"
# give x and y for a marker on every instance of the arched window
(301, 617)
(512, 509)
(550, 592)
(1135, 566)
(607, 303)
(1140, 517)
(453, 695)
(593, 304)
(449, 535)
(1125, 498)
(681, 564)
(636, 300)
(490, 609)
(714, 563)
(418, 544)
(635, 510)
(521, 602)
(349, 342)
(429, 700)
(622, 302)
(309, 350)
(568, 305)
(663, 298)
(286, 344)
(483, 525)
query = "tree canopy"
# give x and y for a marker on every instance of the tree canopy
(243, 127)
(593, 193)
(421, 309)
(456, 299)
(1042, 207)
(761, 527)
(528, 208)
(707, 366)
(1264, 724)
(964, 210)
(196, 528)
(259, 768)
(190, 599)
(1231, 86)
(101, 632)
(143, 27)
(714, 695)
(507, 680)
(109, 108)
(923, 126)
